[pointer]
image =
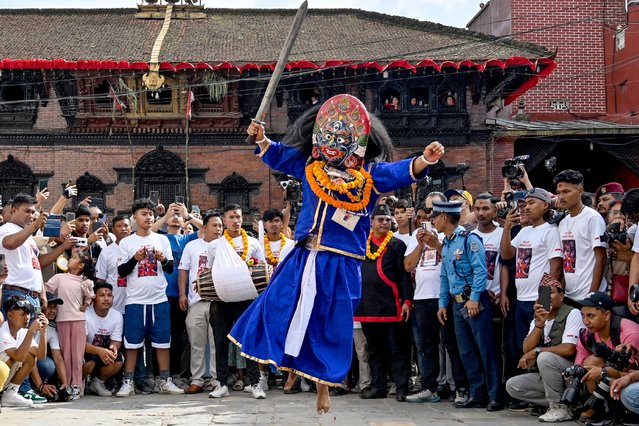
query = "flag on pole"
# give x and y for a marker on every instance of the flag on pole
(117, 103)
(189, 101)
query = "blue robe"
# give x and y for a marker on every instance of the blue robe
(327, 346)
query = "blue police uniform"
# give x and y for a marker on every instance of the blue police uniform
(463, 277)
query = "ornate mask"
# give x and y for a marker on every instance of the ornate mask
(341, 132)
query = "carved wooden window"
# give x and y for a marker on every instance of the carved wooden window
(419, 99)
(91, 186)
(162, 101)
(103, 102)
(15, 177)
(234, 189)
(390, 99)
(161, 171)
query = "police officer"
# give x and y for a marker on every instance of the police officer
(463, 277)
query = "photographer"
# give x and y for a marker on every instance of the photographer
(580, 232)
(550, 347)
(606, 194)
(626, 387)
(596, 346)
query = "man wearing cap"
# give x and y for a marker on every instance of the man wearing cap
(601, 326)
(606, 194)
(467, 219)
(550, 345)
(580, 234)
(536, 250)
(384, 307)
(463, 277)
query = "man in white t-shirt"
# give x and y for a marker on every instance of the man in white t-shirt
(106, 269)
(223, 315)
(103, 358)
(538, 251)
(580, 233)
(404, 216)
(194, 261)
(551, 344)
(491, 236)
(145, 257)
(22, 257)
(19, 350)
(423, 256)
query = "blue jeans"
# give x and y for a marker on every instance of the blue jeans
(524, 314)
(477, 349)
(630, 397)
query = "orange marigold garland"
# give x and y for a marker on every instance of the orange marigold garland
(245, 242)
(380, 250)
(269, 253)
(319, 180)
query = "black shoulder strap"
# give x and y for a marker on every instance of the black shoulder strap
(615, 330)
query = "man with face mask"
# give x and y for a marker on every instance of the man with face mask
(340, 182)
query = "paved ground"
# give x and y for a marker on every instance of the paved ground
(239, 409)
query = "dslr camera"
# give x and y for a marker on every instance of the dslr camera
(511, 169)
(510, 205)
(572, 392)
(614, 233)
(293, 190)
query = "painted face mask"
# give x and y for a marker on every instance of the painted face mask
(341, 132)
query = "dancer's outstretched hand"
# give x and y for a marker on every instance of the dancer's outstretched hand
(433, 152)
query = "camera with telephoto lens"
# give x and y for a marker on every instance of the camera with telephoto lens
(511, 169)
(573, 390)
(509, 198)
(614, 233)
(61, 395)
(293, 190)
(619, 360)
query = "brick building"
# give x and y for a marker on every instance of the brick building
(75, 103)
(570, 115)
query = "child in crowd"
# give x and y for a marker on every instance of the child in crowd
(75, 288)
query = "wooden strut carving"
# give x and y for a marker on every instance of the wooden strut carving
(153, 80)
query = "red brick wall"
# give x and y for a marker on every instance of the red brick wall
(576, 28)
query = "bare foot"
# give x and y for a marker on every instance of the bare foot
(290, 381)
(323, 399)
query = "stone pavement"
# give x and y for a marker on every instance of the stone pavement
(240, 409)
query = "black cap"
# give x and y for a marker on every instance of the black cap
(598, 299)
(381, 210)
(51, 298)
(446, 207)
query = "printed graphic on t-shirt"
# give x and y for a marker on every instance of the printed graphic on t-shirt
(201, 263)
(121, 281)
(35, 262)
(491, 260)
(570, 256)
(148, 267)
(522, 268)
(101, 340)
(430, 257)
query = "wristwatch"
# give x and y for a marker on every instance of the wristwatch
(537, 350)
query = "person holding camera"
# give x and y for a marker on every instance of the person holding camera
(549, 349)
(597, 345)
(463, 277)
(19, 349)
(605, 196)
(630, 209)
(536, 250)
(423, 256)
(145, 259)
(581, 234)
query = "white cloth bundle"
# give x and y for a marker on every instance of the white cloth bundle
(231, 275)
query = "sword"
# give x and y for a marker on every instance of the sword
(279, 67)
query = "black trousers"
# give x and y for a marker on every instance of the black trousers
(388, 343)
(222, 317)
(180, 348)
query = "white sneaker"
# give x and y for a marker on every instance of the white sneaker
(248, 389)
(258, 392)
(304, 385)
(461, 396)
(264, 381)
(97, 387)
(11, 398)
(423, 396)
(167, 386)
(556, 413)
(392, 390)
(220, 392)
(127, 389)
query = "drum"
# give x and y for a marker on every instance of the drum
(206, 288)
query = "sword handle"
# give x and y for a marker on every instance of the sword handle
(250, 139)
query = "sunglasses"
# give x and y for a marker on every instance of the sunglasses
(19, 303)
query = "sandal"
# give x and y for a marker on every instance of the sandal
(239, 385)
